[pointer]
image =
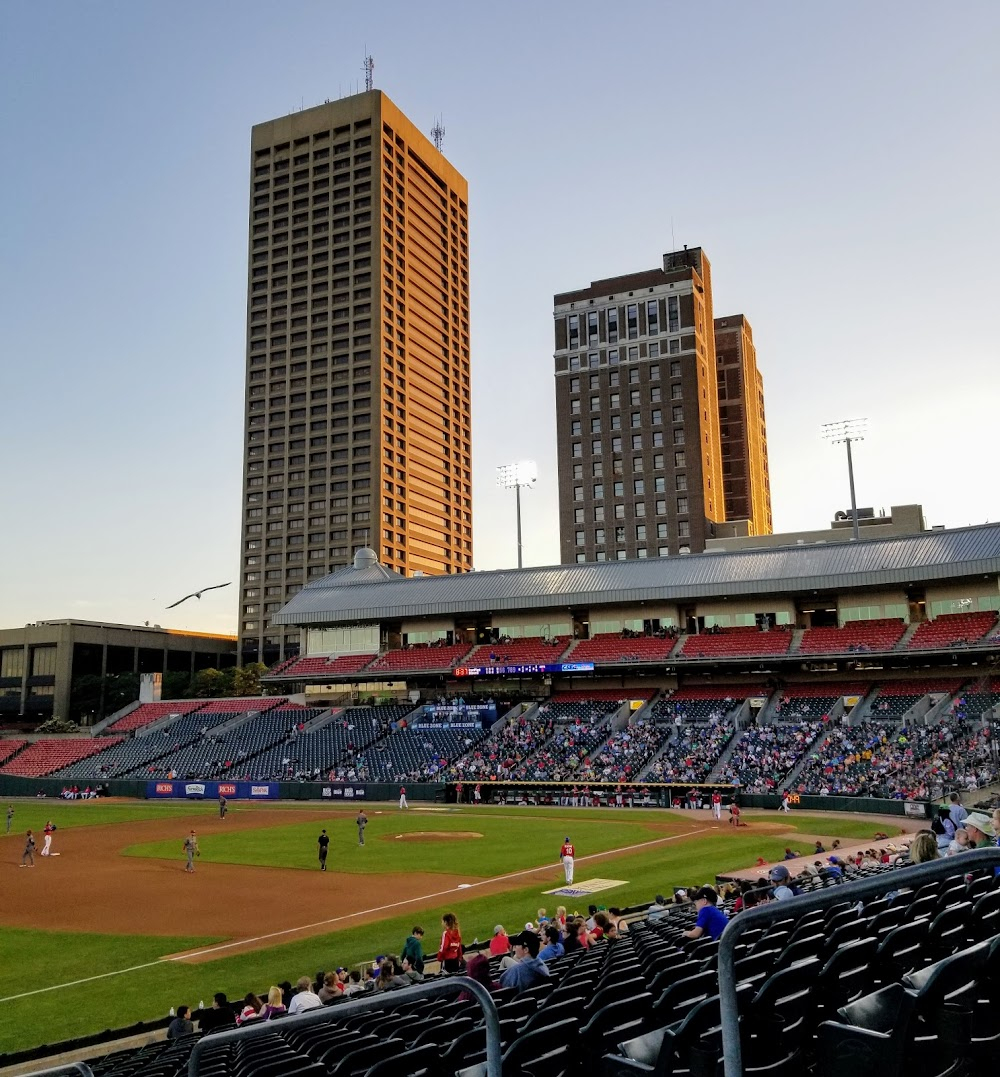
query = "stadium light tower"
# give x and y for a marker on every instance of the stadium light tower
(843, 433)
(513, 477)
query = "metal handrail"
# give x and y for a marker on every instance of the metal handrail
(856, 890)
(80, 1067)
(387, 1001)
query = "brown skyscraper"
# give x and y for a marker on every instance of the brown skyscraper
(637, 418)
(358, 394)
(745, 478)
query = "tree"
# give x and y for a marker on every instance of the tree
(208, 683)
(176, 685)
(246, 679)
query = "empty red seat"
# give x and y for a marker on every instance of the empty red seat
(952, 629)
(736, 643)
(879, 635)
(45, 756)
(146, 713)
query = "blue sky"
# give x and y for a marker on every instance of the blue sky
(837, 163)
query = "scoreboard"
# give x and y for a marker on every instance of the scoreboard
(519, 670)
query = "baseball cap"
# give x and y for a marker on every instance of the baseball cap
(498, 929)
(567, 837)
(778, 874)
(833, 859)
(529, 940)
(340, 968)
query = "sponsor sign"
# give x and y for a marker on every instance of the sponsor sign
(589, 886)
(349, 792)
(327, 791)
(227, 789)
(164, 788)
(235, 790)
(260, 790)
(915, 809)
(194, 789)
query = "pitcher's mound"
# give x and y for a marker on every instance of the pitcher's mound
(434, 835)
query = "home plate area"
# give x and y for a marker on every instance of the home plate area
(588, 886)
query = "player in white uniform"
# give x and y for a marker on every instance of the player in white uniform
(567, 854)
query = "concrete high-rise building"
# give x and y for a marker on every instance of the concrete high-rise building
(637, 417)
(746, 482)
(358, 397)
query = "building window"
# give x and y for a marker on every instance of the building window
(673, 314)
(577, 493)
(661, 508)
(576, 427)
(595, 403)
(574, 406)
(595, 426)
(579, 538)
(664, 551)
(632, 320)
(601, 556)
(679, 435)
(613, 327)
(597, 469)
(619, 489)
(640, 508)
(578, 471)
(683, 530)
(682, 505)
(577, 449)
(613, 357)
(657, 439)
(615, 400)
(637, 441)
(622, 555)
(637, 464)
(656, 416)
(636, 420)
(638, 486)
(595, 381)
(598, 491)
(573, 324)
(659, 485)
(654, 372)
(598, 514)
(652, 317)
(581, 558)
(599, 536)
(616, 422)
(676, 391)
(677, 413)
(595, 448)
(675, 370)
(578, 516)
(654, 350)
(616, 444)
(654, 394)
(681, 481)
(574, 385)
(592, 327)
(675, 346)
(633, 354)
(574, 362)
(661, 531)
(619, 534)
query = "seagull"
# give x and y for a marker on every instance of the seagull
(197, 594)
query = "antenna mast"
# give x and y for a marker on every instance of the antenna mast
(437, 133)
(369, 68)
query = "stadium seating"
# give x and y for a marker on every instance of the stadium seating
(815, 700)
(146, 713)
(420, 659)
(416, 754)
(10, 748)
(45, 756)
(951, 630)
(525, 650)
(507, 745)
(977, 700)
(854, 637)
(692, 756)
(736, 643)
(323, 665)
(895, 698)
(614, 649)
(765, 755)
(705, 704)
(624, 755)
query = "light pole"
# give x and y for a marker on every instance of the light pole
(843, 433)
(513, 477)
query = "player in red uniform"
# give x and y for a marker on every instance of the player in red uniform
(567, 854)
(717, 804)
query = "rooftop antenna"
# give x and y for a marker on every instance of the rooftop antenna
(437, 133)
(369, 67)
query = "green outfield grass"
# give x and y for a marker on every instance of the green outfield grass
(516, 838)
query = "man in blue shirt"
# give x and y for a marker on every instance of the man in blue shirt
(529, 970)
(554, 946)
(711, 919)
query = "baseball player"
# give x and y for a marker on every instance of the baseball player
(47, 844)
(402, 798)
(191, 850)
(223, 806)
(10, 816)
(786, 803)
(362, 821)
(567, 854)
(717, 804)
(28, 856)
(324, 847)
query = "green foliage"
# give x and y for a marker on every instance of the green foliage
(176, 685)
(58, 725)
(212, 683)
(246, 679)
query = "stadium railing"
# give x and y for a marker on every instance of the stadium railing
(384, 1001)
(799, 906)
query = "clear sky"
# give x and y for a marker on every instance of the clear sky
(838, 163)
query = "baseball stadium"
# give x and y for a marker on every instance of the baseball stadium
(721, 812)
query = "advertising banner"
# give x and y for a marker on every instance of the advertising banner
(182, 790)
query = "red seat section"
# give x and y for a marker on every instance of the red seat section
(9, 748)
(879, 635)
(241, 706)
(612, 648)
(420, 659)
(952, 630)
(146, 713)
(45, 756)
(522, 651)
(736, 643)
(604, 695)
(323, 665)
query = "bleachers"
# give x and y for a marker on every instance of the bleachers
(736, 643)
(45, 756)
(420, 659)
(10, 748)
(246, 704)
(854, 637)
(895, 698)
(323, 665)
(951, 630)
(693, 755)
(525, 650)
(765, 755)
(611, 648)
(415, 754)
(147, 713)
(506, 745)
(815, 700)
(705, 704)
(624, 754)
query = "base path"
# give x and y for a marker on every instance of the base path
(94, 888)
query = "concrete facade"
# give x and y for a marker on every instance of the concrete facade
(746, 479)
(358, 405)
(38, 663)
(637, 418)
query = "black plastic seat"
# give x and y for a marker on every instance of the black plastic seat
(623, 1019)
(613, 992)
(809, 946)
(360, 1059)
(868, 1037)
(415, 1062)
(847, 974)
(680, 997)
(901, 950)
(949, 930)
(984, 920)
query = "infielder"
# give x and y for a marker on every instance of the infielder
(191, 850)
(223, 806)
(10, 816)
(566, 854)
(362, 821)
(402, 798)
(717, 805)
(47, 845)
(786, 804)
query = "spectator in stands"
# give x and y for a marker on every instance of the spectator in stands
(924, 847)
(979, 827)
(413, 948)
(782, 880)
(658, 908)
(529, 970)
(386, 979)
(219, 1016)
(957, 810)
(181, 1025)
(450, 952)
(252, 1006)
(478, 968)
(500, 943)
(943, 826)
(711, 919)
(332, 988)
(409, 973)
(305, 998)
(553, 944)
(274, 1007)
(354, 986)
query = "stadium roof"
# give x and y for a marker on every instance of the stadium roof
(374, 593)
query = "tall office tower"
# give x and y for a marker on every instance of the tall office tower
(358, 396)
(637, 418)
(743, 431)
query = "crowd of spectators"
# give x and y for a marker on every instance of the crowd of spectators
(513, 744)
(766, 754)
(878, 759)
(625, 753)
(692, 754)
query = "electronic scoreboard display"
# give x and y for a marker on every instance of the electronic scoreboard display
(520, 670)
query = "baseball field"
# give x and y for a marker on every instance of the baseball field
(113, 930)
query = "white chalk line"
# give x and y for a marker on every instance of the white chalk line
(464, 888)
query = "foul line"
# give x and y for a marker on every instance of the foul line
(464, 887)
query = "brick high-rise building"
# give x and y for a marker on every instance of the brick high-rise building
(637, 417)
(743, 432)
(358, 396)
